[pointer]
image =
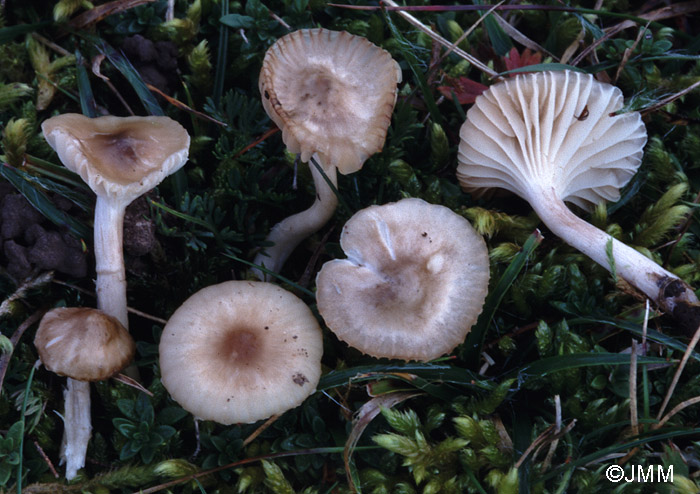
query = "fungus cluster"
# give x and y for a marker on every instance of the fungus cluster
(332, 95)
(416, 274)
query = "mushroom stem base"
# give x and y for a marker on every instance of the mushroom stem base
(660, 285)
(77, 426)
(289, 232)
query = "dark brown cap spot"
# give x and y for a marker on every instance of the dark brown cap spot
(299, 379)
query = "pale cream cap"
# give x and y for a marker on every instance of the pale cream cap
(120, 158)
(241, 351)
(331, 93)
(413, 284)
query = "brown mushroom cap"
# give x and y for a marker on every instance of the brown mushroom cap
(551, 131)
(331, 93)
(118, 156)
(413, 284)
(83, 343)
(241, 351)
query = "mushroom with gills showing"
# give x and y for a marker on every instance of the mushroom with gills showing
(552, 137)
(241, 351)
(413, 284)
(332, 95)
(85, 345)
(120, 158)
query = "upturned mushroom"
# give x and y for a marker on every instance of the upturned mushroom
(332, 95)
(120, 158)
(413, 284)
(85, 345)
(552, 137)
(241, 351)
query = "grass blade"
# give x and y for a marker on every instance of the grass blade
(9, 33)
(42, 203)
(87, 100)
(221, 57)
(414, 64)
(558, 363)
(471, 349)
(123, 65)
(499, 39)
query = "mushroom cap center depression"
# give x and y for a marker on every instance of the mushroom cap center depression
(240, 347)
(324, 100)
(401, 288)
(120, 157)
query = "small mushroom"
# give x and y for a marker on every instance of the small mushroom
(332, 95)
(413, 284)
(85, 345)
(241, 351)
(551, 137)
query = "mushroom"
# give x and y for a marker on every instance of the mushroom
(241, 351)
(413, 284)
(120, 158)
(332, 95)
(551, 137)
(85, 345)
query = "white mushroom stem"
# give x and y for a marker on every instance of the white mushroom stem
(76, 426)
(631, 265)
(288, 233)
(109, 259)
(111, 299)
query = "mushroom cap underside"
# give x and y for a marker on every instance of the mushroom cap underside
(331, 93)
(120, 158)
(413, 284)
(551, 131)
(83, 343)
(241, 351)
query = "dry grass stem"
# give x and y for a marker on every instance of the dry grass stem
(677, 375)
(433, 35)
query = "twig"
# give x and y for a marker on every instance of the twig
(628, 52)
(48, 461)
(656, 15)
(520, 37)
(432, 34)
(42, 279)
(280, 20)
(546, 435)
(130, 309)
(634, 418)
(182, 106)
(557, 429)
(260, 430)
(669, 99)
(466, 33)
(235, 464)
(677, 375)
(675, 410)
(683, 231)
(96, 62)
(260, 139)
